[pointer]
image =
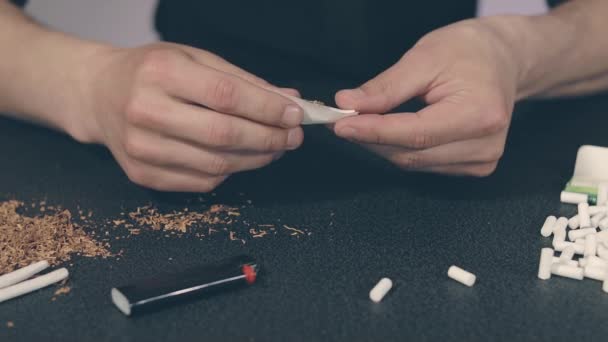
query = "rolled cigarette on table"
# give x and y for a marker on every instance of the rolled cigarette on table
(32, 285)
(22, 273)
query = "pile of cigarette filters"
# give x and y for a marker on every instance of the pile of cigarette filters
(582, 243)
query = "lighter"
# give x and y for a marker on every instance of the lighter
(168, 288)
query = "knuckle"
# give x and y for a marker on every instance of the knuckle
(205, 187)
(218, 166)
(267, 159)
(271, 108)
(469, 30)
(410, 161)
(210, 184)
(256, 80)
(494, 154)
(222, 134)
(375, 136)
(136, 147)
(421, 140)
(137, 174)
(270, 159)
(495, 119)
(132, 146)
(382, 91)
(274, 142)
(158, 65)
(377, 86)
(223, 94)
(483, 170)
(146, 111)
(137, 110)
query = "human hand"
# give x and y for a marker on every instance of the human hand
(467, 75)
(178, 118)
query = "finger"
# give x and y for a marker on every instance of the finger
(409, 77)
(155, 149)
(168, 179)
(230, 94)
(438, 124)
(210, 59)
(290, 91)
(204, 127)
(473, 169)
(484, 150)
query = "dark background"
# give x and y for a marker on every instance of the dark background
(407, 226)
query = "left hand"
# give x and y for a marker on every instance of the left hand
(467, 75)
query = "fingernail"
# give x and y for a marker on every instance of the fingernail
(293, 139)
(347, 132)
(292, 116)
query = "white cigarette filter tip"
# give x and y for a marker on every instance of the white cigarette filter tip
(545, 263)
(583, 215)
(462, 276)
(547, 228)
(573, 197)
(567, 271)
(380, 290)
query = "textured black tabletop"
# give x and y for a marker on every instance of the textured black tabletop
(366, 220)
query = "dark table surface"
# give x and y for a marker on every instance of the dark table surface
(366, 220)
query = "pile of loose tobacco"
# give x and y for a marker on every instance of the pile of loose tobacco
(52, 237)
(214, 219)
(147, 216)
(55, 236)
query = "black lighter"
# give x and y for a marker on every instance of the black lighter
(169, 288)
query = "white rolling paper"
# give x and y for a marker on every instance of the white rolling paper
(22, 274)
(34, 284)
(315, 113)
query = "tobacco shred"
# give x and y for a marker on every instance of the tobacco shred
(52, 237)
(180, 221)
(63, 290)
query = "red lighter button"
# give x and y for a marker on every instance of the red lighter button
(249, 273)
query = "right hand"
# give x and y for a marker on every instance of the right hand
(178, 118)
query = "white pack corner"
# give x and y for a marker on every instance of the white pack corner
(590, 171)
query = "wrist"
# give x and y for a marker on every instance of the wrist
(539, 46)
(514, 36)
(76, 65)
(80, 117)
(47, 76)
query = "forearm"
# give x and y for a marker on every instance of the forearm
(41, 71)
(563, 53)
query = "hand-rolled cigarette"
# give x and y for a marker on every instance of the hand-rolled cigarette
(32, 285)
(22, 273)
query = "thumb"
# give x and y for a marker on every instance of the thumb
(396, 85)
